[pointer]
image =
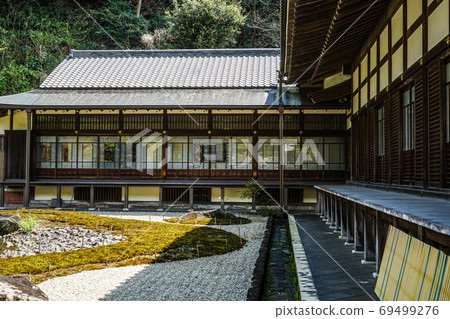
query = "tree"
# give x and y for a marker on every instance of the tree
(138, 8)
(205, 24)
(120, 26)
(262, 24)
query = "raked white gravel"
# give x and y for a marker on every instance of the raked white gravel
(224, 277)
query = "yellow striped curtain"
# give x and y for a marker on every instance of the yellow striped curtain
(412, 270)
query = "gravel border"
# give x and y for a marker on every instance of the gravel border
(220, 277)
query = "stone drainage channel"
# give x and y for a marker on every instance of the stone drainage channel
(280, 280)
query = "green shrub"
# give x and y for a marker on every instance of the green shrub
(28, 224)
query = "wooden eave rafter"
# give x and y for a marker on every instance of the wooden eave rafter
(324, 35)
(332, 93)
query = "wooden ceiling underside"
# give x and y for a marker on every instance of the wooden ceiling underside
(324, 35)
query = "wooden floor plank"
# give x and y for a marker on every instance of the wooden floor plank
(428, 212)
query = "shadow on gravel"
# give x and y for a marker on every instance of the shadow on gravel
(193, 244)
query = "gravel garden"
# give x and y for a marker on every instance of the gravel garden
(82, 256)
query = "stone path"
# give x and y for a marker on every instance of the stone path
(280, 282)
(331, 281)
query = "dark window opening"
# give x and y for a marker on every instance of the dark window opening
(264, 198)
(447, 102)
(101, 194)
(171, 195)
(409, 123)
(295, 196)
(380, 131)
(202, 195)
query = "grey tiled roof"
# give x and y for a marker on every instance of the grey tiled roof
(228, 68)
(150, 98)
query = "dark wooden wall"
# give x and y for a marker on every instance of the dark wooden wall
(15, 154)
(428, 164)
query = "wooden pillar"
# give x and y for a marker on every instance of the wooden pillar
(358, 219)
(26, 190)
(255, 156)
(337, 218)
(286, 199)
(126, 196)
(369, 236)
(160, 199)
(379, 239)
(164, 154)
(324, 205)
(253, 203)
(2, 196)
(328, 199)
(58, 196)
(343, 218)
(420, 233)
(318, 202)
(222, 199)
(350, 222)
(11, 120)
(191, 198)
(91, 196)
(332, 213)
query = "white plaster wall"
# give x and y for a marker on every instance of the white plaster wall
(49, 192)
(413, 11)
(364, 66)
(180, 111)
(143, 194)
(335, 79)
(364, 95)
(143, 112)
(355, 103)
(4, 124)
(67, 193)
(384, 75)
(234, 195)
(384, 42)
(373, 86)
(397, 25)
(20, 120)
(100, 112)
(414, 47)
(373, 56)
(397, 63)
(355, 79)
(438, 24)
(215, 194)
(44, 192)
(309, 195)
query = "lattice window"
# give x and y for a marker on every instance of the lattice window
(99, 122)
(172, 194)
(319, 122)
(57, 122)
(235, 122)
(191, 122)
(138, 122)
(269, 122)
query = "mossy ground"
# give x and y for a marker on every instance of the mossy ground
(144, 240)
(210, 221)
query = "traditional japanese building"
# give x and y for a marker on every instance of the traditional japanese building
(393, 57)
(140, 127)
